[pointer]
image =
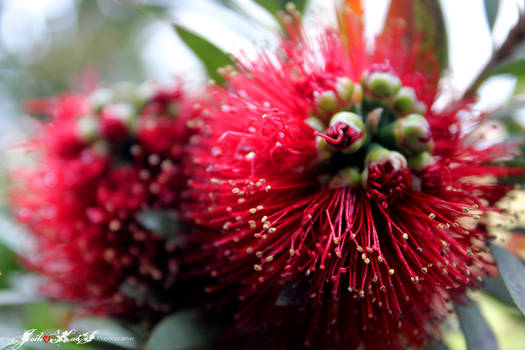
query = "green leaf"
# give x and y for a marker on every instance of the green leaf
(210, 55)
(182, 330)
(274, 6)
(436, 345)
(8, 264)
(478, 334)
(421, 17)
(515, 67)
(495, 287)
(512, 271)
(491, 11)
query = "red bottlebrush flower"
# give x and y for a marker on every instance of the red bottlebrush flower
(332, 200)
(107, 161)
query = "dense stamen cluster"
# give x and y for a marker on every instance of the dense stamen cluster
(103, 198)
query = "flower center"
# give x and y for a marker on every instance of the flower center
(377, 136)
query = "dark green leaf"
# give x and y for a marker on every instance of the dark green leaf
(491, 11)
(182, 330)
(211, 56)
(512, 271)
(161, 222)
(478, 334)
(8, 264)
(515, 67)
(274, 6)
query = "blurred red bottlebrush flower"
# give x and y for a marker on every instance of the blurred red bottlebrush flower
(108, 179)
(332, 200)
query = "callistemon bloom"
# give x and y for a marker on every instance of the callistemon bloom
(102, 197)
(332, 200)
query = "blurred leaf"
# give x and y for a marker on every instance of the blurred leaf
(46, 316)
(491, 11)
(495, 287)
(512, 271)
(182, 330)
(161, 222)
(515, 67)
(421, 17)
(210, 55)
(478, 334)
(274, 6)
(520, 230)
(8, 264)
(436, 345)
(12, 298)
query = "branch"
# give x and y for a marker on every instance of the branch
(515, 37)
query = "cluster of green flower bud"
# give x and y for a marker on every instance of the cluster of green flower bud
(123, 92)
(380, 119)
(386, 89)
(113, 111)
(346, 94)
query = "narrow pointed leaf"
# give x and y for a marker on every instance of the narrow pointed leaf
(478, 334)
(421, 17)
(515, 67)
(210, 55)
(512, 271)
(491, 11)
(495, 287)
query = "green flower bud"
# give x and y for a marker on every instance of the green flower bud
(420, 108)
(314, 123)
(323, 150)
(326, 102)
(373, 119)
(413, 134)
(101, 147)
(144, 92)
(349, 176)
(344, 88)
(405, 100)
(383, 84)
(87, 128)
(381, 155)
(420, 161)
(357, 96)
(101, 97)
(124, 91)
(347, 132)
